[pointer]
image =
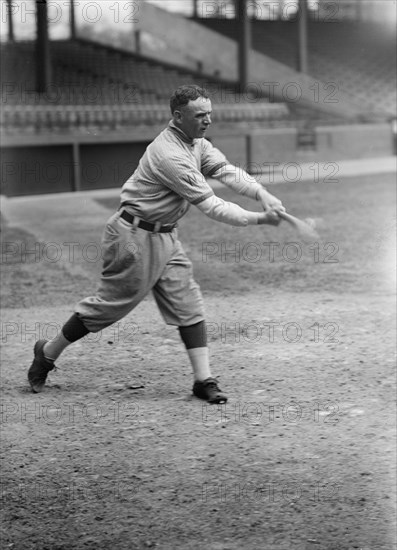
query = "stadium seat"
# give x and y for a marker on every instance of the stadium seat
(96, 88)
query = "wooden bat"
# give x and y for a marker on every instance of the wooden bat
(305, 228)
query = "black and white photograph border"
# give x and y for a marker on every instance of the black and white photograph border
(198, 273)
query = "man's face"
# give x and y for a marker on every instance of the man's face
(194, 118)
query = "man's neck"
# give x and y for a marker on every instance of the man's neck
(175, 128)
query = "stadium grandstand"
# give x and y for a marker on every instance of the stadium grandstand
(85, 86)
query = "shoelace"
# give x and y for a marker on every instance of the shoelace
(52, 363)
(212, 385)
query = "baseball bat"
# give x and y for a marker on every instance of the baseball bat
(306, 230)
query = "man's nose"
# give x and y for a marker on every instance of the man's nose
(207, 119)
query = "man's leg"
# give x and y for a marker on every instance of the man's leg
(195, 339)
(179, 299)
(131, 266)
(45, 353)
(72, 331)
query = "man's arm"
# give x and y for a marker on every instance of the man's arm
(232, 214)
(242, 183)
(186, 180)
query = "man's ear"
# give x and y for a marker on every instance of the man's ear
(177, 115)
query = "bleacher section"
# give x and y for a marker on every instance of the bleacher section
(97, 88)
(360, 58)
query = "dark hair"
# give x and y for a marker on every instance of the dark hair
(184, 94)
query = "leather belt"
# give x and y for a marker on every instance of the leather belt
(147, 226)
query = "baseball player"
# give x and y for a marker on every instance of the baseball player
(141, 250)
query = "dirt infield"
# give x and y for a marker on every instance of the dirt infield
(117, 454)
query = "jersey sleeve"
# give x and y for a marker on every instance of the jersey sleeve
(239, 180)
(211, 159)
(182, 177)
(228, 212)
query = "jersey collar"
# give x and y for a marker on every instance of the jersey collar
(180, 133)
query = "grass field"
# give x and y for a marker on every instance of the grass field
(116, 454)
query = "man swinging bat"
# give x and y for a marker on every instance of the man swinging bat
(141, 250)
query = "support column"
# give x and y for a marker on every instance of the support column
(43, 63)
(195, 10)
(11, 37)
(244, 44)
(76, 184)
(72, 21)
(303, 64)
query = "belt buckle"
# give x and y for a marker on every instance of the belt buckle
(157, 227)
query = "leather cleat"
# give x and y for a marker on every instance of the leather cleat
(37, 374)
(208, 389)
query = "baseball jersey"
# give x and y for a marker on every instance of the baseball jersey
(171, 176)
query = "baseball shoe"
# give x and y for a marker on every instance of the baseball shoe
(37, 374)
(208, 390)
